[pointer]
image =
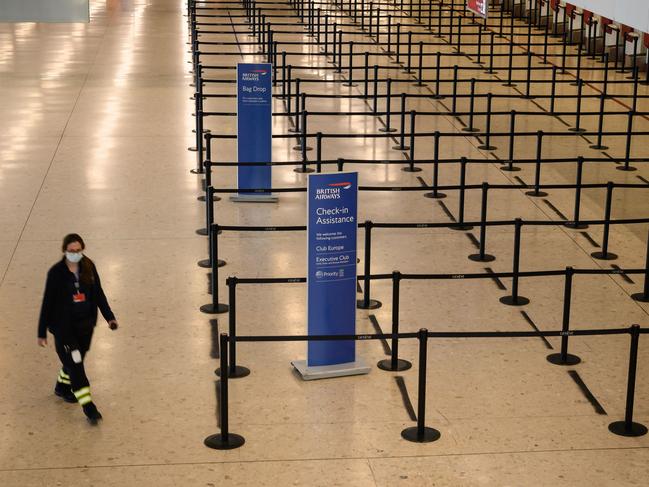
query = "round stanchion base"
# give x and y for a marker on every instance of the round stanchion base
(620, 428)
(556, 359)
(412, 434)
(490, 72)
(599, 147)
(470, 129)
(487, 147)
(206, 264)
(576, 225)
(373, 304)
(230, 442)
(528, 97)
(387, 130)
(641, 297)
(510, 168)
(299, 148)
(626, 168)
(420, 84)
(214, 198)
(482, 258)
(536, 194)
(438, 97)
(197, 171)
(350, 85)
(210, 309)
(411, 169)
(238, 372)
(387, 365)
(401, 147)
(602, 256)
(510, 84)
(514, 301)
(461, 227)
(435, 196)
(303, 170)
(577, 130)
(201, 231)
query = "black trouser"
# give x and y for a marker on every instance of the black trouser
(79, 338)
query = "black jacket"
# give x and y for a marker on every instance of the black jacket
(57, 311)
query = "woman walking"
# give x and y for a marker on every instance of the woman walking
(72, 296)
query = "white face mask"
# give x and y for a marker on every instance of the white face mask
(74, 257)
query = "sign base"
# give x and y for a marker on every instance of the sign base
(328, 371)
(254, 198)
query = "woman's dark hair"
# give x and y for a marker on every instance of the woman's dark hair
(71, 238)
(86, 266)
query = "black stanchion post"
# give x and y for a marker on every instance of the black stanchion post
(491, 54)
(479, 53)
(398, 45)
(628, 427)
(436, 194)
(214, 307)
(224, 440)
(487, 143)
(411, 163)
(512, 137)
(514, 299)
(553, 90)
(350, 81)
(537, 167)
(402, 141)
(576, 223)
(460, 219)
(454, 99)
(510, 64)
(367, 302)
(528, 79)
(234, 371)
(394, 364)
(438, 61)
(408, 69)
(577, 128)
(366, 72)
(318, 145)
(604, 254)
(420, 75)
(388, 106)
(421, 433)
(482, 256)
(600, 124)
(629, 136)
(470, 127)
(375, 92)
(563, 357)
(644, 295)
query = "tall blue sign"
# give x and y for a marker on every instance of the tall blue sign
(331, 275)
(254, 130)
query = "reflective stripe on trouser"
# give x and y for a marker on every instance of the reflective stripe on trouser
(83, 396)
(63, 378)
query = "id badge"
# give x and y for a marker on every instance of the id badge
(79, 298)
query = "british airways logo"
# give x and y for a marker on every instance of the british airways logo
(344, 185)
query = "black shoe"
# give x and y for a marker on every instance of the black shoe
(64, 392)
(91, 413)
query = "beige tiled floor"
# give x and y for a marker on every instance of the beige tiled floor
(96, 121)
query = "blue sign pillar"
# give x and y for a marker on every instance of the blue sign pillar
(331, 275)
(254, 131)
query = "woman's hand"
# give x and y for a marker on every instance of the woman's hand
(113, 325)
(42, 342)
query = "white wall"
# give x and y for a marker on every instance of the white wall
(634, 13)
(44, 10)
